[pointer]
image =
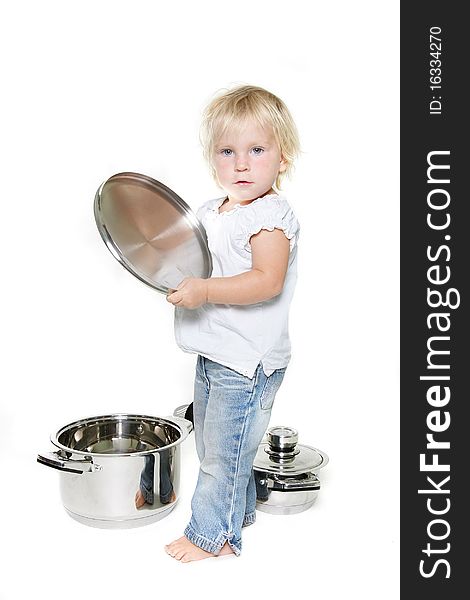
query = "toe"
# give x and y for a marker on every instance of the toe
(180, 554)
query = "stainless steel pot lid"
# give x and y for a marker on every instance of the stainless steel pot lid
(281, 454)
(151, 231)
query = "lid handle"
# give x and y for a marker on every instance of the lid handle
(282, 438)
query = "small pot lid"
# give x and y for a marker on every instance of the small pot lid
(281, 454)
(151, 231)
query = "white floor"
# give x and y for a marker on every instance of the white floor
(344, 546)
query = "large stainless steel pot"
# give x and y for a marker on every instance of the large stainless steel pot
(120, 470)
(286, 472)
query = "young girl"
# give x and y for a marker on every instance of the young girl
(236, 321)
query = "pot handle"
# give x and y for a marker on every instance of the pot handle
(182, 422)
(56, 460)
(309, 483)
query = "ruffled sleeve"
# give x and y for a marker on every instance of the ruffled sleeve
(267, 213)
(208, 206)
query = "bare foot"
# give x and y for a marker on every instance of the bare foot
(185, 551)
(225, 550)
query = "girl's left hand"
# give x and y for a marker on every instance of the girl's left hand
(191, 293)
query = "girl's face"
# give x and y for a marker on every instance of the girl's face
(247, 161)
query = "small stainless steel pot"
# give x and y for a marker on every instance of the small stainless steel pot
(119, 470)
(286, 472)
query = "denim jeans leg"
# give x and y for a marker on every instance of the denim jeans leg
(201, 397)
(236, 416)
(250, 508)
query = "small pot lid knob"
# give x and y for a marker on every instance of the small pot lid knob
(282, 439)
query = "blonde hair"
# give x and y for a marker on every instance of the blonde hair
(232, 108)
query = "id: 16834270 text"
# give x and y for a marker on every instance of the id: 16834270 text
(435, 70)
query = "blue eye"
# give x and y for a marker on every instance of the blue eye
(257, 150)
(226, 152)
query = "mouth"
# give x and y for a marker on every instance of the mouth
(243, 182)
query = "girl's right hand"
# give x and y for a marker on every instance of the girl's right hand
(191, 293)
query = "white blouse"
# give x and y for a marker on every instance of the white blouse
(240, 337)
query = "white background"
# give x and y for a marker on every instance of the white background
(93, 88)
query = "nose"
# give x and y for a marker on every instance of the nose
(241, 163)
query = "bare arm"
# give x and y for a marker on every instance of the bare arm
(265, 280)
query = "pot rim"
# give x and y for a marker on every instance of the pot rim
(173, 421)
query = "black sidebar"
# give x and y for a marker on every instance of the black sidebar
(435, 333)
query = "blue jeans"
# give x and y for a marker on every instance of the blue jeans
(231, 415)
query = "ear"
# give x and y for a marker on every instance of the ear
(282, 165)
